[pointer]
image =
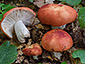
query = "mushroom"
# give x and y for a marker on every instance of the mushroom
(57, 40)
(33, 50)
(56, 14)
(16, 19)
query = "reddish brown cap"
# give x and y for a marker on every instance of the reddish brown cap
(57, 40)
(33, 50)
(56, 14)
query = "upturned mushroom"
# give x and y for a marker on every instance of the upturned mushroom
(57, 40)
(33, 50)
(16, 20)
(56, 14)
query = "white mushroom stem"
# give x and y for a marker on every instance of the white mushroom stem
(60, 27)
(57, 55)
(21, 31)
(35, 57)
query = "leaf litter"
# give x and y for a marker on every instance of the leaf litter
(38, 31)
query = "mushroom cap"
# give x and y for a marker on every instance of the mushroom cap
(33, 50)
(57, 40)
(24, 14)
(56, 14)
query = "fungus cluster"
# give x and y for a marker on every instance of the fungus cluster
(56, 15)
(55, 40)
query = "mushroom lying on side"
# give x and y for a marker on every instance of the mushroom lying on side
(33, 50)
(57, 40)
(56, 14)
(16, 19)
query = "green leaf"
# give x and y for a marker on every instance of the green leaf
(64, 62)
(63, 0)
(10, 7)
(1, 4)
(7, 9)
(72, 2)
(81, 17)
(1, 15)
(31, 0)
(0, 11)
(8, 53)
(4, 8)
(39, 63)
(79, 54)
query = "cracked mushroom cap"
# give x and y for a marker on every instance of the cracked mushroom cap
(57, 40)
(16, 19)
(56, 14)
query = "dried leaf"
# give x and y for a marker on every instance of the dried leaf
(40, 3)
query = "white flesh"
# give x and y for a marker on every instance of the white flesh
(14, 18)
(21, 31)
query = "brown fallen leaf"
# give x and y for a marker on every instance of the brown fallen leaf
(40, 3)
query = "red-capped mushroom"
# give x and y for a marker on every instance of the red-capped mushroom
(15, 20)
(56, 14)
(57, 40)
(33, 50)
